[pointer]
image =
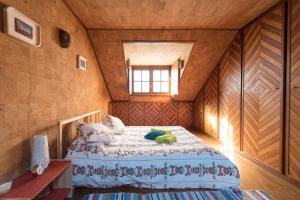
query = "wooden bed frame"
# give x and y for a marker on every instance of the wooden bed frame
(68, 130)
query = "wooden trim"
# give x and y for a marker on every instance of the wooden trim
(154, 41)
(161, 29)
(218, 100)
(242, 92)
(61, 123)
(287, 87)
(283, 89)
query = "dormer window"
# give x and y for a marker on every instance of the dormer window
(151, 80)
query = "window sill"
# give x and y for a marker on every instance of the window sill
(141, 94)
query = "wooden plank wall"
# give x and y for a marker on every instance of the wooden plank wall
(230, 94)
(154, 113)
(263, 69)
(251, 92)
(199, 112)
(211, 104)
(293, 136)
(206, 106)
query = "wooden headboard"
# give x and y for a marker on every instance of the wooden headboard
(68, 130)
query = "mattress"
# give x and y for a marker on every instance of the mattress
(135, 161)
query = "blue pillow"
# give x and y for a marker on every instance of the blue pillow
(153, 134)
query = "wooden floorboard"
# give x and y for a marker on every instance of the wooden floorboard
(253, 176)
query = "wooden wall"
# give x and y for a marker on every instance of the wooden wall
(199, 111)
(263, 80)
(250, 98)
(206, 106)
(154, 113)
(230, 94)
(211, 104)
(40, 86)
(293, 131)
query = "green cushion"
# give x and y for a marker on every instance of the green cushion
(167, 138)
(165, 131)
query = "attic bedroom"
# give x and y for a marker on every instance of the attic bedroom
(150, 99)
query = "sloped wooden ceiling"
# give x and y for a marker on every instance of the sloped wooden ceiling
(211, 24)
(209, 45)
(157, 14)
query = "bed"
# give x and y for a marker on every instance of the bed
(135, 161)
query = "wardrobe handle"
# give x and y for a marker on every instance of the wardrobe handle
(295, 87)
(277, 88)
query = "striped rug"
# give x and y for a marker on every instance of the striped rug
(189, 195)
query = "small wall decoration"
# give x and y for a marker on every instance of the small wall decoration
(81, 62)
(64, 38)
(21, 27)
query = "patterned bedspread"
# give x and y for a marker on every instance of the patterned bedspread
(135, 161)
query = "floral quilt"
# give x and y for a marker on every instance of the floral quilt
(135, 161)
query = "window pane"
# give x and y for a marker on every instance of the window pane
(164, 75)
(145, 75)
(156, 75)
(164, 87)
(145, 86)
(137, 75)
(137, 86)
(156, 86)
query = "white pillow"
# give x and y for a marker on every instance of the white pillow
(114, 124)
(93, 132)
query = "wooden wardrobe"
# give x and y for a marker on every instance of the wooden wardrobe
(263, 88)
(293, 101)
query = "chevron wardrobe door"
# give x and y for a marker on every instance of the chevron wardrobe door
(120, 110)
(263, 70)
(211, 104)
(230, 94)
(293, 150)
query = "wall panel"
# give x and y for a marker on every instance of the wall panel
(263, 46)
(230, 94)
(154, 113)
(293, 140)
(136, 114)
(169, 113)
(121, 110)
(211, 104)
(198, 112)
(185, 115)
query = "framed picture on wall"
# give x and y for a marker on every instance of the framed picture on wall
(17, 25)
(81, 63)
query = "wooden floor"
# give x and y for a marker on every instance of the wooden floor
(253, 176)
